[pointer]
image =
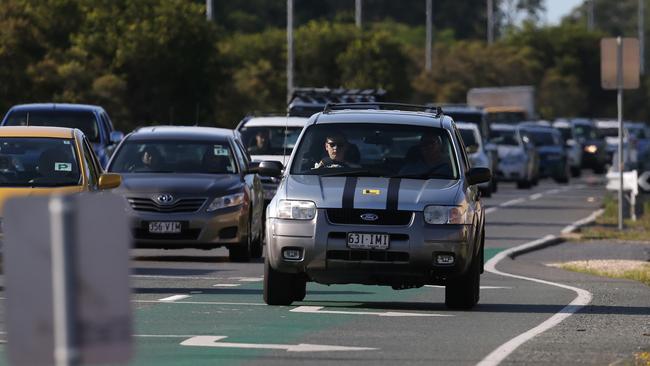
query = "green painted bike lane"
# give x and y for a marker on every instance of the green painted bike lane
(241, 316)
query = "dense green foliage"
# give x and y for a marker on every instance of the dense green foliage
(160, 61)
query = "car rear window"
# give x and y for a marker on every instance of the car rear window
(38, 162)
(82, 120)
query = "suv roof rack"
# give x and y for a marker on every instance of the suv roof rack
(437, 111)
(307, 101)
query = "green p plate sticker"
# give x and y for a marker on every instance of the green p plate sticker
(62, 167)
(220, 150)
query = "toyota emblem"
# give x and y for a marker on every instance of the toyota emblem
(164, 199)
(369, 217)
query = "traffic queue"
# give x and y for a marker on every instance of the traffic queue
(345, 189)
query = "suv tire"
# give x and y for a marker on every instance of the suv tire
(463, 292)
(278, 287)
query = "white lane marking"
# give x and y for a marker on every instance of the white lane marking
(200, 302)
(213, 341)
(490, 210)
(167, 277)
(482, 287)
(248, 279)
(581, 222)
(582, 299)
(536, 196)
(226, 285)
(512, 202)
(318, 310)
(174, 298)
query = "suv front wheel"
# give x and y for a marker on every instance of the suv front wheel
(463, 292)
(280, 288)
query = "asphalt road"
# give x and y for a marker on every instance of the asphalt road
(195, 308)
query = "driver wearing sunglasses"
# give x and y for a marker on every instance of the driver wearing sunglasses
(336, 146)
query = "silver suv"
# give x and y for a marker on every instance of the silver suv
(378, 197)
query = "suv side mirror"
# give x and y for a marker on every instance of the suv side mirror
(116, 136)
(478, 175)
(270, 168)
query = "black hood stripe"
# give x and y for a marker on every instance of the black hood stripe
(393, 194)
(348, 192)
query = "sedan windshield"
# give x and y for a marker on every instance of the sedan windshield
(505, 137)
(541, 138)
(270, 140)
(469, 138)
(83, 120)
(376, 150)
(38, 162)
(155, 156)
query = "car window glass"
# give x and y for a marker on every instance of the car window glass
(384, 150)
(463, 152)
(270, 140)
(468, 136)
(505, 137)
(38, 162)
(243, 163)
(170, 156)
(82, 120)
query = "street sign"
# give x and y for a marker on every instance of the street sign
(630, 63)
(99, 244)
(644, 181)
(630, 181)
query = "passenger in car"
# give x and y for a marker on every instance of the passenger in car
(261, 144)
(339, 153)
(427, 157)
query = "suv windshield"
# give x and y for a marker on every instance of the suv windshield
(83, 120)
(38, 162)
(469, 138)
(156, 156)
(586, 132)
(376, 150)
(270, 140)
(541, 138)
(505, 137)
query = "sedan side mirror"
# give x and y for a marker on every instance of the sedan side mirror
(109, 181)
(270, 168)
(478, 175)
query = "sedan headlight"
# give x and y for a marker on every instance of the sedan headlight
(591, 149)
(230, 200)
(440, 215)
(296, 210)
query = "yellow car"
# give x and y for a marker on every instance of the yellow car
(47, 160)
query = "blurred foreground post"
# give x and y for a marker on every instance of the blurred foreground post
(66, 266)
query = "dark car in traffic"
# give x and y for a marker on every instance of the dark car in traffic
(553, 157)
(191, 187)
(92, 120)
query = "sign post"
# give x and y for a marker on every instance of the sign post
(66, 266)
(619, 69)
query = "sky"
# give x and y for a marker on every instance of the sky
(556, 9)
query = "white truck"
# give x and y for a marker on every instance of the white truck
(507, 104)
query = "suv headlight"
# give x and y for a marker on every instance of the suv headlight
(296, 210)
(441, 215)
(226, 201)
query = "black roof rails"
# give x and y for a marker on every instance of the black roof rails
(437, 111)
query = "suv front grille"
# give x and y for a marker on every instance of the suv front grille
(182, 205)
(353, 217)
(367, 255)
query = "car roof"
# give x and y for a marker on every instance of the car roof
(37, 131)
(56, 106)
(460, 108)
(540, 128)
(467, 126)
(276, 121)
(182, 132)
(398, 117)
(503, 126)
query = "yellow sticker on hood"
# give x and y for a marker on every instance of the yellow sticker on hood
(374, 192)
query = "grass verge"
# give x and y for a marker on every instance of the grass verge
(606, 226)
(624, 269)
